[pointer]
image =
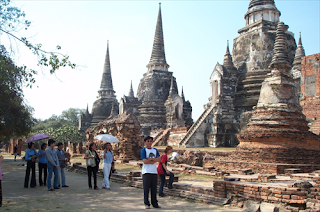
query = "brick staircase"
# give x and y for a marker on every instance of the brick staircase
(315, 127)
(196, 125)
(163, 135)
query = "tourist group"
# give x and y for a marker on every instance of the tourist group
(53, 161)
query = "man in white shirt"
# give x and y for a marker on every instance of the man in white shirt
(149, 157)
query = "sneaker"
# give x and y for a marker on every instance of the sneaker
(51, 189)
(147, 206)
(56, 187)
(65, 186)
(162, 195)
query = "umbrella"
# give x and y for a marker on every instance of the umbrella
(37, 137)
(107, 138)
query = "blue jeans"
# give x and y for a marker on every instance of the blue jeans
(163, 180)
(53, 169)
(62, 176)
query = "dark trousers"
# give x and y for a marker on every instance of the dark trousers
(92, 170)
(150, 182)
(43, 166)
(30, 165)
(0, 195)
(163, 180)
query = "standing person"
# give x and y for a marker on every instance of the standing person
(15, 152)
(42, 165)
(149, 157)
(163, 171)
(30, 157)
(91, 165)
(107, 163)
(1, 159)
(53, 165)
(62, 165)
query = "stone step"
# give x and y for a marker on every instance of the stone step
(292, 171)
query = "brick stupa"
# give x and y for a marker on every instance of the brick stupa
(277, 131)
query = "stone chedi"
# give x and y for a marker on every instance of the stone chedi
(158, 104)
(126, 128)
(296, 66)
(278, 131)
(235, 85)
(215, 126)
(106, 103)
(252, 55)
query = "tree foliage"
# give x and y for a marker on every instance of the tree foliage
(72, 115)
(62, 128)
(15, 115)
(63, 134)
(12, 21)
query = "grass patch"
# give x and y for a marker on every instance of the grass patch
(197, 177)
(119, 167)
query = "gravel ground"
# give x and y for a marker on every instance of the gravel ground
(79, 198)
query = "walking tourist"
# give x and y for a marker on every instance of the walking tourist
(53, 165)
(62, 165)
(91, 165)
(30, 157)
(15, 152)
(42, 165)
(107, 163)
(163, 171)
(149, 157)
(1, 159)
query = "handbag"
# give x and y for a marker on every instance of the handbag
(90, 161)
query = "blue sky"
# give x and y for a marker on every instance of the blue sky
(195, 36)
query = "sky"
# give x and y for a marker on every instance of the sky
(195, 37)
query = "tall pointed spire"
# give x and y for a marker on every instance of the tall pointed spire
(113, 111)
(171, 88)
(87, 111)
(131, 94)
(299, 52)
(106, 87)
(227, 60)
(280, 59)
(158, 57)
(182, 94)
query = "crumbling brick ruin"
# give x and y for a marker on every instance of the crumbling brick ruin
(126, 128)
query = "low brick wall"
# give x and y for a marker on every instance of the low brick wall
(222, 192)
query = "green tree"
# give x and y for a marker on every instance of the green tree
(15, 116)
(13, 20)
(64, 134)
(72, 115)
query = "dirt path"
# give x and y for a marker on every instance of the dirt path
(79, 198)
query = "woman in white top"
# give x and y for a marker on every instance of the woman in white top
(107, 161)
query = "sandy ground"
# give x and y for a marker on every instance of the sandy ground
(79, 198)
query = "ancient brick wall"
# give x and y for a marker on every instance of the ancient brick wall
(263, 193)
(310, 88)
